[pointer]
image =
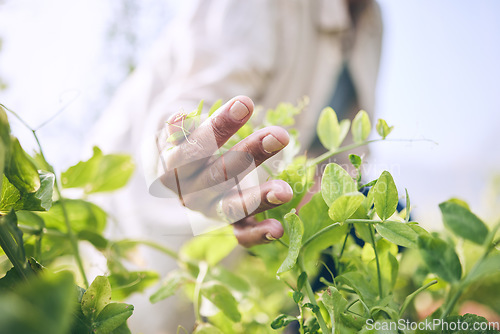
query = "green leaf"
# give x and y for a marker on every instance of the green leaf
(345, 206)
(96, 239)
(408, 207)
(355, 160)
(210, 247)
(169, 286)
(335, 304)
(207, 329)
(297, 296)
(301, 281)
(42, 305)
(335, 183)
(214, 107)
(21, 171)
(112, 316)
(361, 127)
(440, 258)
(398, 233)
(220, 296)
(41, 200)
(463, 223)
(124, 284)
(97, 296)
(359, 283)
(330, 133)
(83, 215)
(385, 196)
(11, 241)
(281, 321)
(489, 266)
(383, 129)
(100, 173)
(295, 232)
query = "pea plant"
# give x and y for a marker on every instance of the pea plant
(44, 287)
(349, 260)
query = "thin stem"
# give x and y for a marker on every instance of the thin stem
(329, 154)
(412, 296)
(154, 245)
(203, 266)
(379, 276)
(312, 298)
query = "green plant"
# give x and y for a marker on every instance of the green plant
(40, 234)
(369, 282)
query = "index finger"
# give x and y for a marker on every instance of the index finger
(212, 133)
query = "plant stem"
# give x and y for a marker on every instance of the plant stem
(203, 267)
(379, 276)
(329, 154)
(312, 298)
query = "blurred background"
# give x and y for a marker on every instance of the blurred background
(438, 81)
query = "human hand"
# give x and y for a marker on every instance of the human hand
(213, 184)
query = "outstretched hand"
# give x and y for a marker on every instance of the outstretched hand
(213, 184)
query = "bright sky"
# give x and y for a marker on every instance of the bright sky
(438, 81)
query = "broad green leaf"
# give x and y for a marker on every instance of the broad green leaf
(398, 233)
(335, 304)
(329, 131)
(169, 286)
(359, 283)
(459, 202)
(383, 129)
(111, 317)
(97, 296)
(96, 239)
(355, 160)
(385, 196)
(335, 183)
(82, 215)
(100, 173)
(463, 223)
(207, 329)
(11, 241)
(21, 171)
(440, 257)
(41, 200)
(125, 284)
(301, 280)
(361, 127)
(220, 296)
(297, 297)
(295, 232)
(214, 107)
(345, 206)
(210, 247)
(42, 305)
(314, 215)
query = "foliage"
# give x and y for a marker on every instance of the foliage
(357, 228)
(38, 226)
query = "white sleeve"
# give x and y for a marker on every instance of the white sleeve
(215, 50)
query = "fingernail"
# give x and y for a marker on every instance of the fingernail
(238, 111)
(271, 144)
(270, 237)
(271, 198)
